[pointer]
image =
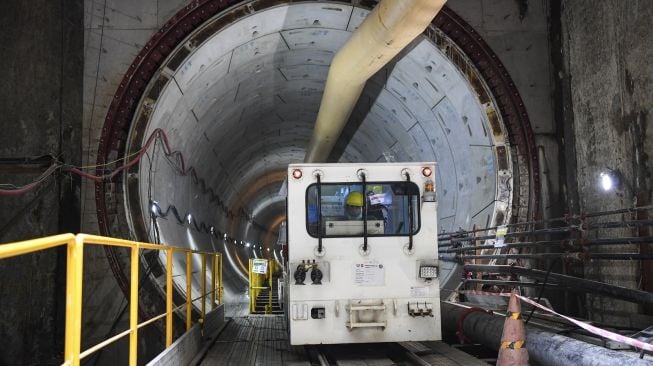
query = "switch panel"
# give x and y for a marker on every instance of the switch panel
(317, 313)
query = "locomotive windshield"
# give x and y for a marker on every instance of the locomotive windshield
(344, 207)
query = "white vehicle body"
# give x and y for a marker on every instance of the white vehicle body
(363, 297)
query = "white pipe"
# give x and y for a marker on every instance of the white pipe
(391, 26)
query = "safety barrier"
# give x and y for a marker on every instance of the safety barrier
(74, 275)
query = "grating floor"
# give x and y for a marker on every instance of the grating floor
(255, 340)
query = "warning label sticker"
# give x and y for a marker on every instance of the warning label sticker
(419, 291)
(368, 273)
(260, 266)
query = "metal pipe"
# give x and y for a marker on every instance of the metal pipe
(545, 348)
(579, 256)
(565, 243)
(619, 211)
(525, 244)
(507, 283)
(457, 257)
(617, 292)
(390, 26)
(619, 224)
(447, 235)
(560, 230)
(581, 242)
(567, 218)
(611, 241)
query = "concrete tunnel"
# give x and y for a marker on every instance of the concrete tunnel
(237, 99)
(520, 103)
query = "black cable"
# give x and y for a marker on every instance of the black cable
(319, 213)
(539, 296)
(364, 213)
(410, 213)
(149, 193)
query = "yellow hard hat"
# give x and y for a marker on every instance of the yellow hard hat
(354, 199)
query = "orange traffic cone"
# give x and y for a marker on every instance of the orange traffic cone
(512, 351)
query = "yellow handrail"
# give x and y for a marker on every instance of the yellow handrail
(74, 275)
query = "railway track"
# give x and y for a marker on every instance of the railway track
(378, 354)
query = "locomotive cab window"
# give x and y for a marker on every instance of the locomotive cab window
(345, 207)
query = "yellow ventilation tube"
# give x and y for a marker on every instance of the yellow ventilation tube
(384, 33)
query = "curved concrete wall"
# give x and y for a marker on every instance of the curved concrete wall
(242, 105)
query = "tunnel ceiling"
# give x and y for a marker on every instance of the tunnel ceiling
(237, 96)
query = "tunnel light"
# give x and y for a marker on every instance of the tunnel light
(225, 236)
(426, 171)
(609, 179)
(154, 208)
(247, 244)
(297, 173)
(189, 218)
(268, 249)
(212, 230)
(606, 182)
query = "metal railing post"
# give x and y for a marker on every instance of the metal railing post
(214, 280)
(269, 309)
(220, 287)
(189, 289)
(133, 306)
(169, 256)
(203, 286)
(75, 265)
(252, 296)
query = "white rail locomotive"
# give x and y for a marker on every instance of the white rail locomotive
(362, 253)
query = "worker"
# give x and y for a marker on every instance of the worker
(354, 206)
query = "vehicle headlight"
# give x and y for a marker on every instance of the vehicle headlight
(428, 272)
